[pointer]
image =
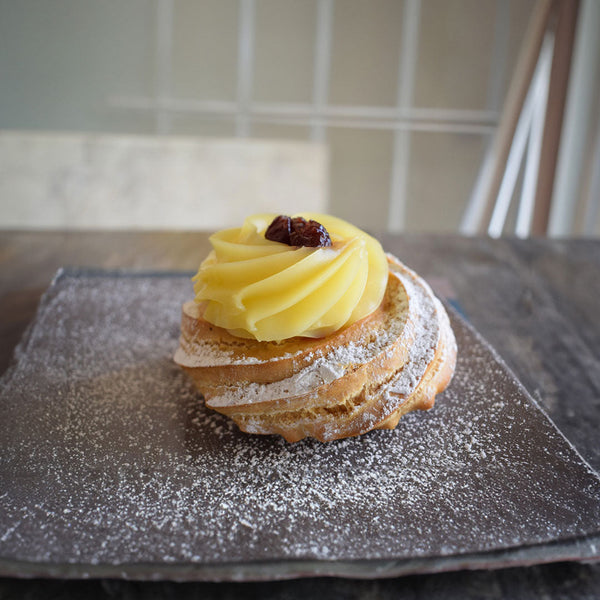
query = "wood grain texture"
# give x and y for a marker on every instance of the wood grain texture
(536, 301)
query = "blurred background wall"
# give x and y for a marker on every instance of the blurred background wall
(405, 94)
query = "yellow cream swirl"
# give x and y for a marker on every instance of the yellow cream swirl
(269, 291)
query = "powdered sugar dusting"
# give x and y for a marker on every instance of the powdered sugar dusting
(199, 353)
(323, 370)
(426, 314)
(415, 303)
(110, 457)
(418, 309)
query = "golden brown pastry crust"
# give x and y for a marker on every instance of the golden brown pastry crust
(340, 386)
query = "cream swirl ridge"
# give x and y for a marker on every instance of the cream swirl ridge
(269, 291)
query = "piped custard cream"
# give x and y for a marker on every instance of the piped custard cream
(303, 327)
(258, 288)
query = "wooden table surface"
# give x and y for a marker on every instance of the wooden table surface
(536, 301)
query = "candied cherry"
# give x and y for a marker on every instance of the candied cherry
(298, 232)
(279, 230)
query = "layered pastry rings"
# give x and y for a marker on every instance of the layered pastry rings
(326, 340)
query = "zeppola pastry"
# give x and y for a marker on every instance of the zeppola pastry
(304, 327)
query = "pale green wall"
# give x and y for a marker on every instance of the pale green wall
(61, 61)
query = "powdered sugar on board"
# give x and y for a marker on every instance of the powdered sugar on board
(110, 457)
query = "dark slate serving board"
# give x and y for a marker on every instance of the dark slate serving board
(112, 466)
